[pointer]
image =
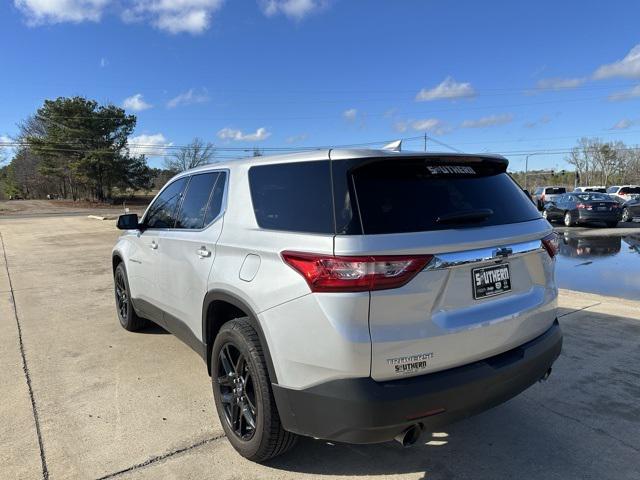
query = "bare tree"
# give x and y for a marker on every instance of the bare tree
(193, 155)
(583, 158)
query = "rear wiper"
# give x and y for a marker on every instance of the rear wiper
(466, 216)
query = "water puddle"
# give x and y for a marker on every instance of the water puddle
(604, 264)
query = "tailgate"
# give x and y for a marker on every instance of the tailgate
(439, 321)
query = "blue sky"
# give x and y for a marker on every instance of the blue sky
(499, 76)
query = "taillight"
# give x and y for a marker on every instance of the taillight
(581, 205)
(551, 244)
(326, 273)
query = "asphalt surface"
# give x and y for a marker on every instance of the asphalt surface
(82, 398)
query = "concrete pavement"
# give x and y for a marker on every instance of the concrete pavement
(114, 404)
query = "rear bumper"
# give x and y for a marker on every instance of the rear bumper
(362, 410)
(587, 216)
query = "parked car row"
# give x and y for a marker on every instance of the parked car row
(607, 205)
(583, 208)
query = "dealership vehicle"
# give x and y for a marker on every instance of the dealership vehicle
(601, 189)
(541, 195)
(349, 295)
(584, 208)
(631, 209)
(623, 193)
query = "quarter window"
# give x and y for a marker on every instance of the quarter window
(162, 211)
(217, 196)
(295, 197)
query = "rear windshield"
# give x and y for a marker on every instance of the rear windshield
(589, 197)
(629, 190)
(596, 189)
(555, 191)
(396, 196)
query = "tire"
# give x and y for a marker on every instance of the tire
(626, 215)
(568, 220)
(237, 351)
(126, 314)
(612, 224)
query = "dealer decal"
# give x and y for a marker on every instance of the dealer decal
(451, 170)
(410, 363)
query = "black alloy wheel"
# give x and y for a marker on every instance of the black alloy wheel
(237, 392)
(122, 296)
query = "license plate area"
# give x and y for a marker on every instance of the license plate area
(490, 281)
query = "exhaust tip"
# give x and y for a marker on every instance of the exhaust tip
(545, 376)
(409, 436)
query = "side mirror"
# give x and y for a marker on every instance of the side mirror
(128, 222)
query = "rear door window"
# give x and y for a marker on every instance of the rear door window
(396, 196)
(629, 190)
(217, 196)
(293, 197)
(162, 212)
(196, 200)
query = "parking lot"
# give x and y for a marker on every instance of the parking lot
(83, 398)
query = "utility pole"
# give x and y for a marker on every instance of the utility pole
(526, 170)
(425, 141)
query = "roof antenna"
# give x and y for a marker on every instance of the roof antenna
(395, 146)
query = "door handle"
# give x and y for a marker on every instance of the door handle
(203, 252)
(153, 245)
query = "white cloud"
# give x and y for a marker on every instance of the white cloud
(628, 67)
(293, 9)
(625, 95)
(103, 62)
(624, 124)
(149, 145)
(535, 123)
(433, 125)
(239, 136)
(40, 12)
(560, 83)
(401, 126)
(5, 150)
(297, 138)
(136, 103)
(174, 16)
(189, 97)
(429, 124)
(448, 88)
(350, 115)
(490, 121)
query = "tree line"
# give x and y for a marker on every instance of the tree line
(75, 148)
(605, 163)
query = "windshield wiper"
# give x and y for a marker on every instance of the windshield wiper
(466, 216)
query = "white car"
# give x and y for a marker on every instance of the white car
(349, 295)
(624, 193)
(595, 189)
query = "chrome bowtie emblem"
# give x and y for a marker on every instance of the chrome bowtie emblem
(502, 252)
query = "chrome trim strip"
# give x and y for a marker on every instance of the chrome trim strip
(495, 254)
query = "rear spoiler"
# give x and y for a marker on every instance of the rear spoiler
(497, 163)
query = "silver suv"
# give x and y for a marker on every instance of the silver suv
(349, 295)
